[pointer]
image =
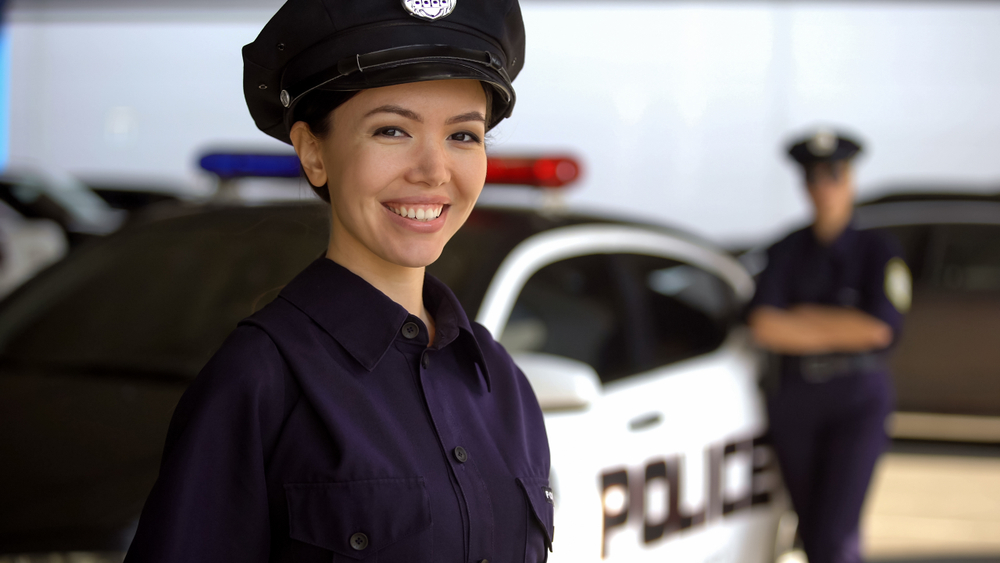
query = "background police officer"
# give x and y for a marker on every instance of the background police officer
(829, 305)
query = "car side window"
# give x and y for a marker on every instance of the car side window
(621, 313)
(970, 259)
(680, 310)
(571, 308)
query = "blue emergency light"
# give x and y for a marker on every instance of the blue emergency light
(228, 166)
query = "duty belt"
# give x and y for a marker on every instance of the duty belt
(824, 367)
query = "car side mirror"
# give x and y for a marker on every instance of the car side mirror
(559, 383)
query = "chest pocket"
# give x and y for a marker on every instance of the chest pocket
(538, 535)
(384, 519)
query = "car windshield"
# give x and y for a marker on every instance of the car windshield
(160, 298)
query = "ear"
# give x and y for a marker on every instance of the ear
(310, 152)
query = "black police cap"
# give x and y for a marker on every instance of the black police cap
(349, 45)
(823, 146)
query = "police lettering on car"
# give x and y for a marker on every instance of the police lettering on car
(627, 492)
(829, 305)
(361, 415)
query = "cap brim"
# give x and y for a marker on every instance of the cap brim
(800, 153)
(404, 72)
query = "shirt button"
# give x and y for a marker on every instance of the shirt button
(461, 455)
(410, 331)
(359, 541)
(425, 360)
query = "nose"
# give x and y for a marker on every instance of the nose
(824, 184)
(431, 166)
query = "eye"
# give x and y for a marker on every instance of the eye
(464, 137)
(390, 132)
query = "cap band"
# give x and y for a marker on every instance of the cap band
(397, 56)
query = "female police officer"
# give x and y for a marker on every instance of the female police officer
(830, 302)
(361, 416)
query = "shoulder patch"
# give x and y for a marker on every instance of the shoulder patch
(898, 284)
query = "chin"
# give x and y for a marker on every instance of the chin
(416, 256)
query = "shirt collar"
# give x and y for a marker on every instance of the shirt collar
(842, 243)
(365, 321)
(845, 241)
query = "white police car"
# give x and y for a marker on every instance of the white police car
(629, 337)
(628, 333)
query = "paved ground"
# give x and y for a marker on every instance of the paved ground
(935, 503)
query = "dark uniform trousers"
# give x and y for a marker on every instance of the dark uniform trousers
(325, 429)
(827, 414)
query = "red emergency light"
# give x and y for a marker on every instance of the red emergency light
(543, 172)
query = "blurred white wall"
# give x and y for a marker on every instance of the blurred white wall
(679, 111)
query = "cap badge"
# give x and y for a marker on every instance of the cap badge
(430, 9)
(824, 143)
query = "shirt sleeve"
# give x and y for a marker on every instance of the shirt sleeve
(772, 284)
(210, 500)
(888, 284)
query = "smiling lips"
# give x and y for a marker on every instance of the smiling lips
(417, 212)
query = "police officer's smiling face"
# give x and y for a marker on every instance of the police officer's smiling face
(404, 165)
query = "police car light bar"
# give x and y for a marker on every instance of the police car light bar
(544, 172)
(228, 166)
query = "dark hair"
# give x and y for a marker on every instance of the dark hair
(316, 110)
(834, 169)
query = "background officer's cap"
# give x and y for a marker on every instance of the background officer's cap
(823, 146)
(349, 45)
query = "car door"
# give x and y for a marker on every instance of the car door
(634, 305)
(947, 356)
(689, 414)
(964, 293)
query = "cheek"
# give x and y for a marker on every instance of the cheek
(360, 176)
(471, 176)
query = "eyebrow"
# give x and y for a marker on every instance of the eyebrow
(470, 116)
(396, 110)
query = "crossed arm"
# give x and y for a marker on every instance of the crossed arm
(817, 329)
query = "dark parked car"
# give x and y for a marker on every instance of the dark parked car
(948, 360)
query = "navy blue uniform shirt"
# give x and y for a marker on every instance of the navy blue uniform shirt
(325, 429)
(850, 272)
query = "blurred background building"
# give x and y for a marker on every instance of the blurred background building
(677, 110)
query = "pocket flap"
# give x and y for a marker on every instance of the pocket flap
(384, 510)
(540, 498)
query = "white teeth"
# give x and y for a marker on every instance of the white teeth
(418, 214)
